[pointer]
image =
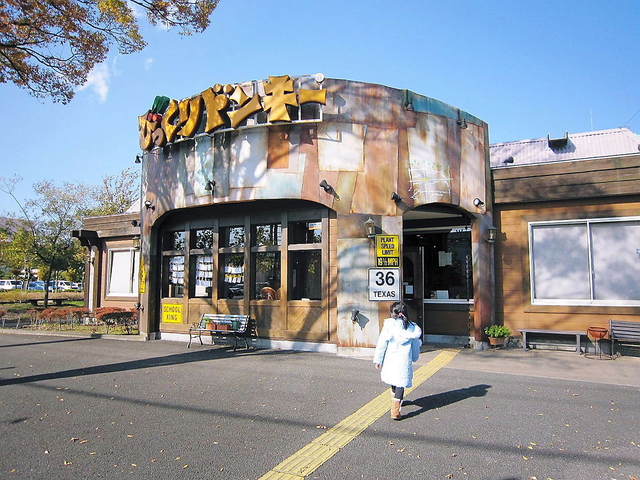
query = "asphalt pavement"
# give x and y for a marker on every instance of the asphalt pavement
(100, 408)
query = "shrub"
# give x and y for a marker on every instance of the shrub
(111, 316)
(497, 331)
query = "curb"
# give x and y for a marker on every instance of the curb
(126, 338)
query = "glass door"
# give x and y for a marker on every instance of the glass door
(413, 283)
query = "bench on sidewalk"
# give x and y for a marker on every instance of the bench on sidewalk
(221, 325)
(626, 333)
(566, 333)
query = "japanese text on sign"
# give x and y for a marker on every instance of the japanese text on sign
(225, 106)
(387, 251)
(172, 313)
(384, 284)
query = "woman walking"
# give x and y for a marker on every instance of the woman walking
(398, 347)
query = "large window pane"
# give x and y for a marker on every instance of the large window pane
(306, 275)
(560, 262)
(173, 281)
(266, 276)
(267, 235)
(447, 265)
(201, 272)
(309, 231)
(231, 275)
(120, 273)
(616, 260)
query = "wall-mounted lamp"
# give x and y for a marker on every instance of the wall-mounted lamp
(492, 234)
(477, 202)
(354, 315)
(138, 159)
(462, 123)
(395, 197)
(135, 223)
(329, 189)
(149, 205)
(209, 186)
(370, 228)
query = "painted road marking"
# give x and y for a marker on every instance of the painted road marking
(306, 460)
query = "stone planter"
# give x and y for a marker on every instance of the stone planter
(496, 341)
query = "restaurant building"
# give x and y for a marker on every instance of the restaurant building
(310, 204)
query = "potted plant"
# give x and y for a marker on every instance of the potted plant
(497, 334)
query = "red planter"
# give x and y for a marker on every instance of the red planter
(496, 342)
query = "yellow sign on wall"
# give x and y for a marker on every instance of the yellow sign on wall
(172, 313)
(387, 251)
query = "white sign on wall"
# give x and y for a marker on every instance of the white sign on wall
(384, 284)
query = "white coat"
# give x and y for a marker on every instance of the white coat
(396, 351)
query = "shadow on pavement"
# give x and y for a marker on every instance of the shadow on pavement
(49, 341)
(175, 359)
(446, 398)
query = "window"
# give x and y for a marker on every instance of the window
(306, 275)
(266, 268)
(268, 235)
(201, 265)
(232, 236)
(231, 275)
(585, 262)
(123, 272)
(305, 260)
(173, 248)
(448, 274)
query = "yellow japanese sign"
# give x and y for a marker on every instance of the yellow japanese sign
(142, 286)
(172, 313)
(387, 251)
(225, 106)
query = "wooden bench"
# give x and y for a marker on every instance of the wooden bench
(526, 343)
(222, 325)
(625, 332)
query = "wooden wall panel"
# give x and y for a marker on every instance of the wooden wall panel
(513, 297)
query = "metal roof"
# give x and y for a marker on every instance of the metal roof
(580, 146)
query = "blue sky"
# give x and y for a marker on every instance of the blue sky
(526, 68)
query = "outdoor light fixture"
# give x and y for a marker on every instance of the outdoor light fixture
(395, 197)
(477, 202)
(370, 228)
(462, 123)
(492, 234)
(326, 187)
(508, 160)
(209, 186)
(134, 223)
(354, 315)
(149, 205)
(138, 159)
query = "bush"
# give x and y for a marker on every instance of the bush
(112, 316)
(497, 331)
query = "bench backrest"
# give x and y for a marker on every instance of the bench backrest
(625, 330)
(237, 323)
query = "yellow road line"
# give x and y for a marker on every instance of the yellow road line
(306, 460)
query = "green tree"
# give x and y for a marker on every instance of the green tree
(49, 47)
(49, 218)
(116, 193)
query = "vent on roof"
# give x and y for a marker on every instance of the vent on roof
(558, 142)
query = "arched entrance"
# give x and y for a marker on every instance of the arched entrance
(438, 264)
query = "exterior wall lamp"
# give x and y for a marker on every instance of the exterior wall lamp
(370, 228)
(209, 186)
(329, 189)
(135, 223)
(138, 159)
(149, 205)
(492, 234)
(396, 198)
(477, 202)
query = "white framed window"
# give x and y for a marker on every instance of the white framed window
(585, 262)
(123, 272)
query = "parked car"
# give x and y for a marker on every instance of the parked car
(62, 286)
(39, 285)
(10, 284)
(78, 286)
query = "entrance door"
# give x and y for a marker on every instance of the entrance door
(413, 283)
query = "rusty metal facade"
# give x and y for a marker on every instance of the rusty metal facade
(369, 144)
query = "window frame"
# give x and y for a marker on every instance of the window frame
(576, 302)
(132, 273)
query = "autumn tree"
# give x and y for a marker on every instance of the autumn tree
(49, 218)
(116, 193)
(49, 47)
